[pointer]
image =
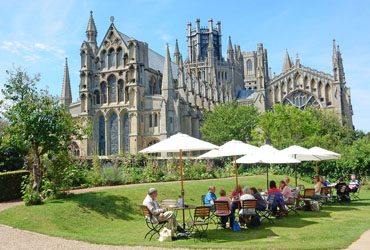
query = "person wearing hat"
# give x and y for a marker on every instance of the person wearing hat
(161, 214)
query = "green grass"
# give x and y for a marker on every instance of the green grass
(113, 217)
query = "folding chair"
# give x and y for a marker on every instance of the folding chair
(153, 227)
(292, 206)
(268, 213)
(326, 195)
(343, 193)
(199, 224)
(212, 217)
(248, 207)
(355, 195)
(222, 206)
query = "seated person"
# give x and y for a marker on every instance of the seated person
(325, 182)
(244, 216)
(273, 188)
(317, 187)
(287, 182)
(235, 197)
(210, 198)
(161, 214)
(342, 190)
(286, 192)
(261, 203)
(227, 213)
(353, 184)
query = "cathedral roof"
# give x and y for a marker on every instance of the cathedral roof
(156, 61)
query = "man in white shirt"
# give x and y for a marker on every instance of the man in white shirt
(161, 214)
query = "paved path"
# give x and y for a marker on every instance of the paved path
(16, 239)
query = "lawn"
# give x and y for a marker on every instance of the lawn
(113, 217)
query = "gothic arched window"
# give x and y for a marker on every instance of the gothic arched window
(301, 99)
(103, 87)
(120, 59)
(101, 135)
(125, 59)
(113, 126)
(97, 96)
(111, 58)
(104, 59)
(112, 88)
(249, 67)
(328, 94)
(121, 91)
(126, 132)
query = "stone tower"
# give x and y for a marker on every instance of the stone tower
(66, 97)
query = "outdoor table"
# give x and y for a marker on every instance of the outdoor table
(188, 208)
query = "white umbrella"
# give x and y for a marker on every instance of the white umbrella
(179, 143)
(300, 153)
(267, 155)
(324, 154)
(231, 148)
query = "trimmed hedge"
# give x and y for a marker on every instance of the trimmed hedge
(10, 184)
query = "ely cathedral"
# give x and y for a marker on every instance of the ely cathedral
(136, 97)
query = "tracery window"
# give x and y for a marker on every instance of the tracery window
(249, 67)
(301, 99)
(112, 88)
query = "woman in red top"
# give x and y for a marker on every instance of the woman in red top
(235, 196)
(273, 189)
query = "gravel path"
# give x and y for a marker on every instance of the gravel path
(16, 239)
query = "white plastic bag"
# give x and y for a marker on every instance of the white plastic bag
(315, 206)
(165, 235)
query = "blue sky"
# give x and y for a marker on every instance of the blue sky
(39, 34)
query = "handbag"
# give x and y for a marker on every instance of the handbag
(236, 226)
(165, 235)
(315, 206)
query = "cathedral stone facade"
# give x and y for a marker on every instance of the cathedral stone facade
(135, 97)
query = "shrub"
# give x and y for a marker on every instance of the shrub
(112, 176)
(10, 184)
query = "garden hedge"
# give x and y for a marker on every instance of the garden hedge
(10, 184)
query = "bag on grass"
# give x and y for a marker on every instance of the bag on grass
(315, 207)
(165, 235)
(236, 226)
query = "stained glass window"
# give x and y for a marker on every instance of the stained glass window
(301, 99)
(113, 134)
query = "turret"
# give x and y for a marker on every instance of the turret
(91, 32)
(210, 49)
(66, 97)
(230, 51)
(176, 54)
(167, 79)
(287, 62)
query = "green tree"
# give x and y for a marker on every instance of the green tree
(229, 121)
(45, 126)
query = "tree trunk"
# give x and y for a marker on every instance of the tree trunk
(36, 169)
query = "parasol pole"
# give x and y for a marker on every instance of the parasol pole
(295, 172)
(236, 170)
(317, 170)
(267, 183)
(182, 191)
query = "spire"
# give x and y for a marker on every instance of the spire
(297, 61)
(176, 54)
(287, 62)
(91, 31)
(66, 97)
(230, 47)
(167, 80)
(334, 57)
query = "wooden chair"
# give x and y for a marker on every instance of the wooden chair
(326, 195)
(220, 207)
(199, 224)
(212, 217)
(169, 203)
(248, 207)
(268, 213)
(153, 228)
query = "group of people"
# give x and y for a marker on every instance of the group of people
(282, 196)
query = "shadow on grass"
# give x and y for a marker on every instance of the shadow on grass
(225, 235)
(109, 206)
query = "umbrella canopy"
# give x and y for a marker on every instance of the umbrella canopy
(230, 148)
(267, 155)
(301, 153)
(324, 154)
(179, 142)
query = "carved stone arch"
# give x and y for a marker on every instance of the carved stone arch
(284, 87)
(83, 99)
(320, 91)
(104, 92)
(119, 56)
(290, 86)
(328, 94)
(302, 99)
(306, 83)
(313, 85)
(277, 93)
